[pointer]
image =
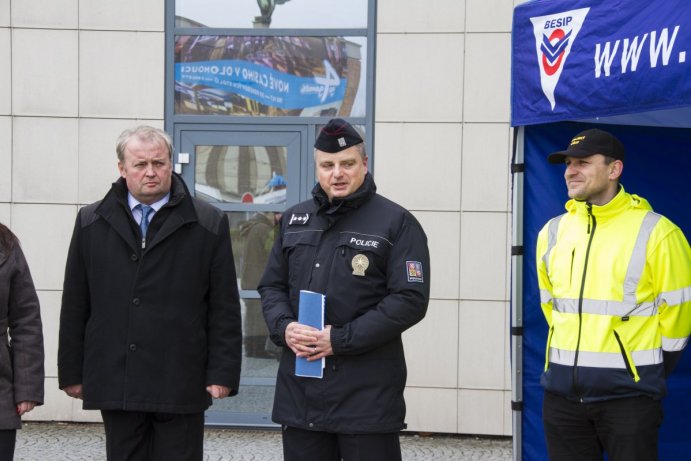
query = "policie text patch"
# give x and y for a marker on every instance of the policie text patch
(414, 270)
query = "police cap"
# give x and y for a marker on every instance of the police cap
(337, 135)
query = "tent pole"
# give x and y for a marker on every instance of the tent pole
(517, 168)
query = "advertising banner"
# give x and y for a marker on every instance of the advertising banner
(256, 75)
(597, 58)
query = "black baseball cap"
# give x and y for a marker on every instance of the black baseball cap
(590, 142)
(337, 135)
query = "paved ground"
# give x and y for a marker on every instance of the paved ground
(85, 442)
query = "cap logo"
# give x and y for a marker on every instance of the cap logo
(341, 142)
(577, 140)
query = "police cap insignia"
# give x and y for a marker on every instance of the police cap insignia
(337, 135)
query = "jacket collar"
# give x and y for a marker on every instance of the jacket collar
(117, 197)
(343, 205)
(178, 211)
(620, 203)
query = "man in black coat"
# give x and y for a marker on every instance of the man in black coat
(150, 327)
(369, 257)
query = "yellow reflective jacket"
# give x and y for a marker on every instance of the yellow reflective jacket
(615, 289)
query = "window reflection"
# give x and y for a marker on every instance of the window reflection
(303, 14)
(241, 174)
(273, 76)
(252, 236)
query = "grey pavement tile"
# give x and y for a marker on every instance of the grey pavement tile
(86, 442)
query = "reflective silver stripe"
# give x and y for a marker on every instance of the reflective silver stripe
(545, 296)
(674, 344)
(628, 306)
(638, 257)
(604, 359)
(676, 297)
(551, 239)
(604, 307)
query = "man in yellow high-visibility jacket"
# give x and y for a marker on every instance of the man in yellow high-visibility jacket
(615, 289)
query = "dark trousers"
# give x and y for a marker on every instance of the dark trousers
(143, 436)
(302, 445)
(626, 429)
(8, 438)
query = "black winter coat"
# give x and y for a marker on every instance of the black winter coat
(148, 330)
(363, 383)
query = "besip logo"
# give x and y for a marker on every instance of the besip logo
(554, 35)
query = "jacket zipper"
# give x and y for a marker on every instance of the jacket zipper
(590, 231)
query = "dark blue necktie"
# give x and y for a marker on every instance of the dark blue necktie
(144, 223)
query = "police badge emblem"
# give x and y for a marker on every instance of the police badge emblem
(360, 263)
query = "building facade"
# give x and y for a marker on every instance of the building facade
(78, 72)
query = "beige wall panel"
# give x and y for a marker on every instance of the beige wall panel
(5, 72)
(431, 347)
(86, 416)
(44, 72)
(50, 317)
(45, 160)
(108, 15)
(419, 78)
(508, 415)
(487, 78)
(485, 173)
(489, 15)
(6, 214)
(482, 333)
(481, 412)
(507, 347)
(442, 231)
(5, 159)
(45, 232)
(484, 256)
(431, 410)
(4, 13)
(48, 14)
(121, 74)
(415, 16)
(419, 165)
(97, 158)
(57, 406)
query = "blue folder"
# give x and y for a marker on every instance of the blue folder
(311, 312)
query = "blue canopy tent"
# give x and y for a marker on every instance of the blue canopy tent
(621, 66)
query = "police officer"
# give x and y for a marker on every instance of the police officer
(369, 257)
(615, 280)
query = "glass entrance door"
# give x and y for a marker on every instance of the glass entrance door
(252, 175)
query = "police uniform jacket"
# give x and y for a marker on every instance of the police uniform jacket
(21, 351)
(369, 257)
(615, 288)
(147, 329)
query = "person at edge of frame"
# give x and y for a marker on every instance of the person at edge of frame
(21, 354)
(615, 280)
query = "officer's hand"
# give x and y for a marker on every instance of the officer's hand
(322, 348)
(301, 338)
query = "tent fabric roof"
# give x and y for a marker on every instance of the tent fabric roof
(593, 59)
